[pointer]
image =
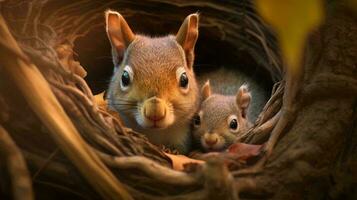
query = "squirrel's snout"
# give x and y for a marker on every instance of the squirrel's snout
(154, 109)
(211, 139)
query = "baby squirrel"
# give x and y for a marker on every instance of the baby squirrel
(221, 118)
(153, 87)
(226, 80)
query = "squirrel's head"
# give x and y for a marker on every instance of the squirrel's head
(220, 118)
(154, 84)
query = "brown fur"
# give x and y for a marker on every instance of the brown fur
(154, 90)
(226, 81)
(214, 114)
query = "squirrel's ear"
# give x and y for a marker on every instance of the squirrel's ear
(243, 99)
(206, 90)
(187, 37)
(119, 34)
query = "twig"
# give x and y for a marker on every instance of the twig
(33, 86)
(19, 175)
(259, 133)
(287, 115)
(272, 106)
(48, 160)
(94, 134)
(62, 188)
(153, 169)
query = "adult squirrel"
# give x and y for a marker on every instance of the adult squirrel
(153, 87)
(221, 118)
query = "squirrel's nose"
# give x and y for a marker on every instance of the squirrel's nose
(154, 117)
(211, 142)
(154, 109)
(211, 139)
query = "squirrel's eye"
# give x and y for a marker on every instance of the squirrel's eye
(196, 120)
(183, 80)
(233, 125)
(125, 78)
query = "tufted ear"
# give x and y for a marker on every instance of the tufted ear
(243, 99)
(187, 37)
(119, 34)
(206, 90)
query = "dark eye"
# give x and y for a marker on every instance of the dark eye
(125, 78)
(196, 120)
(183, 80)
(233, 124)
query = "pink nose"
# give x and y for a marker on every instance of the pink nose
(211, 142)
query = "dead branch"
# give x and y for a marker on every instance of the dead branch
(153, 169)
(32, 84)
(19, 175)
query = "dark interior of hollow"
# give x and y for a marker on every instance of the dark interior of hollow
(94, 53)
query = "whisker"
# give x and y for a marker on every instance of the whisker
(122, 103)
(122, 99)
(125, 106)
(128, 110)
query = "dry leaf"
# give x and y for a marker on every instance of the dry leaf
(100, 101)
(244, 151)
(179, 161)
(65, 55)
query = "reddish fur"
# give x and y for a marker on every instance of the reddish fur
(154, 62)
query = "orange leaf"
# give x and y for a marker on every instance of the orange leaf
(179, 161)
